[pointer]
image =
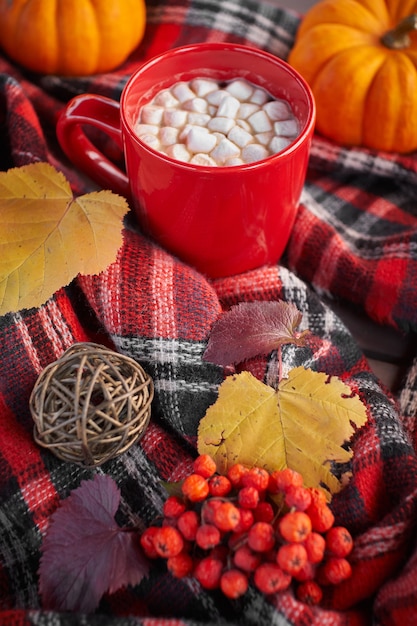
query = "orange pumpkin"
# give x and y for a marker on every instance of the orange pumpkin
(71, 37)
(360, 59)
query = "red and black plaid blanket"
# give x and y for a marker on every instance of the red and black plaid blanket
(355, 241)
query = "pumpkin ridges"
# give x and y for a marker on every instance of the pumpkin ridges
(131, 36)
(340, 76)
(398, 9)
(382, 105)
(56, 36)
(26, 41)
(312, 56)
(343, 12)
(79, 52)
(340, 104)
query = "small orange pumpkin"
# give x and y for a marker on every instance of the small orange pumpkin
(71, 37)
(360, 59)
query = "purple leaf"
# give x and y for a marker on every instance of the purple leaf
(85, 553)
(253, 328)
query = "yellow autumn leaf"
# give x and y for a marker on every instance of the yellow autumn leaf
(48, 237)
(301, 425)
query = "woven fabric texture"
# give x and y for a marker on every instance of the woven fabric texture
(354, 240)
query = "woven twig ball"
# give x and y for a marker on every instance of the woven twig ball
(91, 404)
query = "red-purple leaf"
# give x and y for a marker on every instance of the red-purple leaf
(85, 553)
(253, 328)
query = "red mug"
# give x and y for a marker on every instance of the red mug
(221, 220)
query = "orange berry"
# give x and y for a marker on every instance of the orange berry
(226, 516)
(147, 542)
(269, 578)
(322, 518)
(219, 486)
(195, 488)
(207, 536)
(204, 465)
(309, 592)
(168, 541)
(298, 497)
(234, 583)
(235, 473)
(315, 545)
(188, 523)
(256, 477)
(318, 496)
(295, 526)
(173, 507)
(307, 572)
(336, 570)
(292, 557)
(280, 480)
(208, 572)
(180, 565)
(246, 559)
(339, 541)
(261, 537)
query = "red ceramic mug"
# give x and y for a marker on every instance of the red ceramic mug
(221, 220)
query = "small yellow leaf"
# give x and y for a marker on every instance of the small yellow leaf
(48, 237)
(302, 425)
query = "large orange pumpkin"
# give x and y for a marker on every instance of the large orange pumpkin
(71, 37)
(360, 59)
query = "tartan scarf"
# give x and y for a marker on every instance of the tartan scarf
(352, 242)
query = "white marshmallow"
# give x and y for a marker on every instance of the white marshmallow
(198, 140)
(228, 107)
(239, 136)
(240, 89)
(233, 161)
(151, 114)
(146, 129)
(247, 109)
(260, 96)
(203, 86)
(244, 124)
(152, 141)
(198, 119)
(254, 152)
(175, 118)
(277, 110)
(278, 143)
(200, 122)
(221, 124)
(178, 151)
(203, 159)
(219, 136)
(168, 135)
(215, 97)
(264, 138)
(224, 150)
(165, 99)
(182, 91)
(260, 122)
(196, 104)
(184, 132)
(286, 128)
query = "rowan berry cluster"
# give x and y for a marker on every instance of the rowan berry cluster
(250, 527)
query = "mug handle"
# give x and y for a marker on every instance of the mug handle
(104, 114)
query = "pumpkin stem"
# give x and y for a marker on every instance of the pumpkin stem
(399, 37)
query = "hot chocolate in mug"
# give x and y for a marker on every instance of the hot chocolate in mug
(222, 220)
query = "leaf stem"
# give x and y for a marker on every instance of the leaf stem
(279, 355)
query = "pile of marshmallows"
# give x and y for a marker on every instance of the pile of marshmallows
(208, 123)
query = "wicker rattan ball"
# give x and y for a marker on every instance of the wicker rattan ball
(91, 404)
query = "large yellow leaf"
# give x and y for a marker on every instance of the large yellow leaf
(47, 237)
(301, 425)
